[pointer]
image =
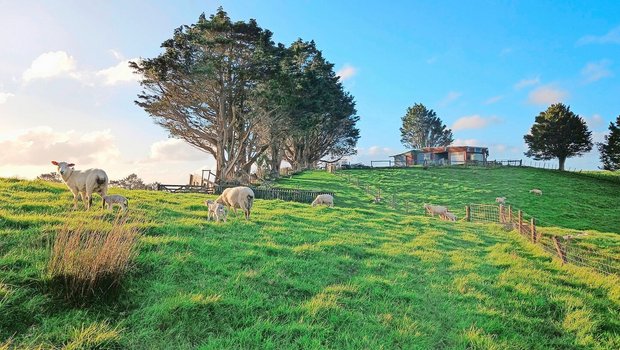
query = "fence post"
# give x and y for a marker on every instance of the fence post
(501, 214)
(558, 248)
(520, 221)
(533, 230)
(510, 214)
(467, 213)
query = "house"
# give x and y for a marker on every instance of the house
(450, 155)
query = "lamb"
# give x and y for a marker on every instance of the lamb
(216, 210)
(115, 199)
(83, 182)
(435, 209)
(448, 216)
(238, 197)
(323, 199)
(501, 200)
(536, 191)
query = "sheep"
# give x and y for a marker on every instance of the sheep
(324, 199)
(238, 197)
(216, 210)
(435, 209)
(501, 200)
(536, 191)
(83, 182)
(115, 199)
(448, 216)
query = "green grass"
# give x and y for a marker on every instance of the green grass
(355, 276)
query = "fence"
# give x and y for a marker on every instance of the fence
(567, 248)
(285, 194)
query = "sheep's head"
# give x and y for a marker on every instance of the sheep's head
(63, 168)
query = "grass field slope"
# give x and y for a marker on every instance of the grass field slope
(350, 277)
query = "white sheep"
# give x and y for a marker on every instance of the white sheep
(238, 197)
(435, 209)
(115, 199)
(83, 182)
(324, 199)
(501, 200)
(536, 191)
(448, 216)
(216, 211)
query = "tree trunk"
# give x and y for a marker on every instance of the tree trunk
(274, 161)
(562, 161)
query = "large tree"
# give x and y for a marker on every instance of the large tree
(610, 149)
(558, 133)
(204, 89)
(422, 128)
(320, 116)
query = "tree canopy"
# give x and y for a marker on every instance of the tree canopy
(610, 149)
(558, 133)
(422, 128)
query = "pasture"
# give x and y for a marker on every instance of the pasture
(355, 276)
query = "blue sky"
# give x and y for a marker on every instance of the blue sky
(486, 68)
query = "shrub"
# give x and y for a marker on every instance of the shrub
(92, 258)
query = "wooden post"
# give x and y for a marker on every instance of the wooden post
(558, 248)
(501, 214)
(533, 230)
(520, 221)
(510, 214)
(467, 213)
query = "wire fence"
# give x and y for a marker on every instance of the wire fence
(566, 247)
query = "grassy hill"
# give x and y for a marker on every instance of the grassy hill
(355, 276)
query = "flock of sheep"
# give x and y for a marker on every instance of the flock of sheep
(86, 182)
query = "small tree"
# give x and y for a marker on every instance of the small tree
(610, 149)
(558, 133)
(52, 177)
(422, 128)
(131, 182)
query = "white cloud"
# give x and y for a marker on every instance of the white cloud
(594, 71)
(450, 97)
(119, 73)
(474, 122)
(4, 96)
(347, 72)
(39, 146)
(175, 150)
(546, 95)
(48, 65)
(493, 100)
(527, 82)
(594, 121)
(467, 142)
(611, 37)
(117, 55)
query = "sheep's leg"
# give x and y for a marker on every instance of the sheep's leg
(247, 214)
(75, 200)
(88, 201)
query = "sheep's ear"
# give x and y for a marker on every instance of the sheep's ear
(70, 164)
(54, 162)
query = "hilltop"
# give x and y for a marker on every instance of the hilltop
(356, 276)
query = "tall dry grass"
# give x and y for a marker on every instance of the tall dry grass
(93, 257)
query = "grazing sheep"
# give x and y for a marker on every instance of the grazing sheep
(501, 200)
(84, 182)
(324, 199)
(115, 199)
(216, 210)
(238, 197)
(435, 209)
(448, 216)
(536, 191)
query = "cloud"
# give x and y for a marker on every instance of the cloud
(450, 97)
(174, 150)
(377, 150)
(546, 95)
(474, 122)
(48, 65)
(4, 96)
(493, 100)
(594, 71)
(466, 142)
(347, 72)
(594, 121)
(611, 37)
(527, 82)
(39, 146)
(119, 73)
